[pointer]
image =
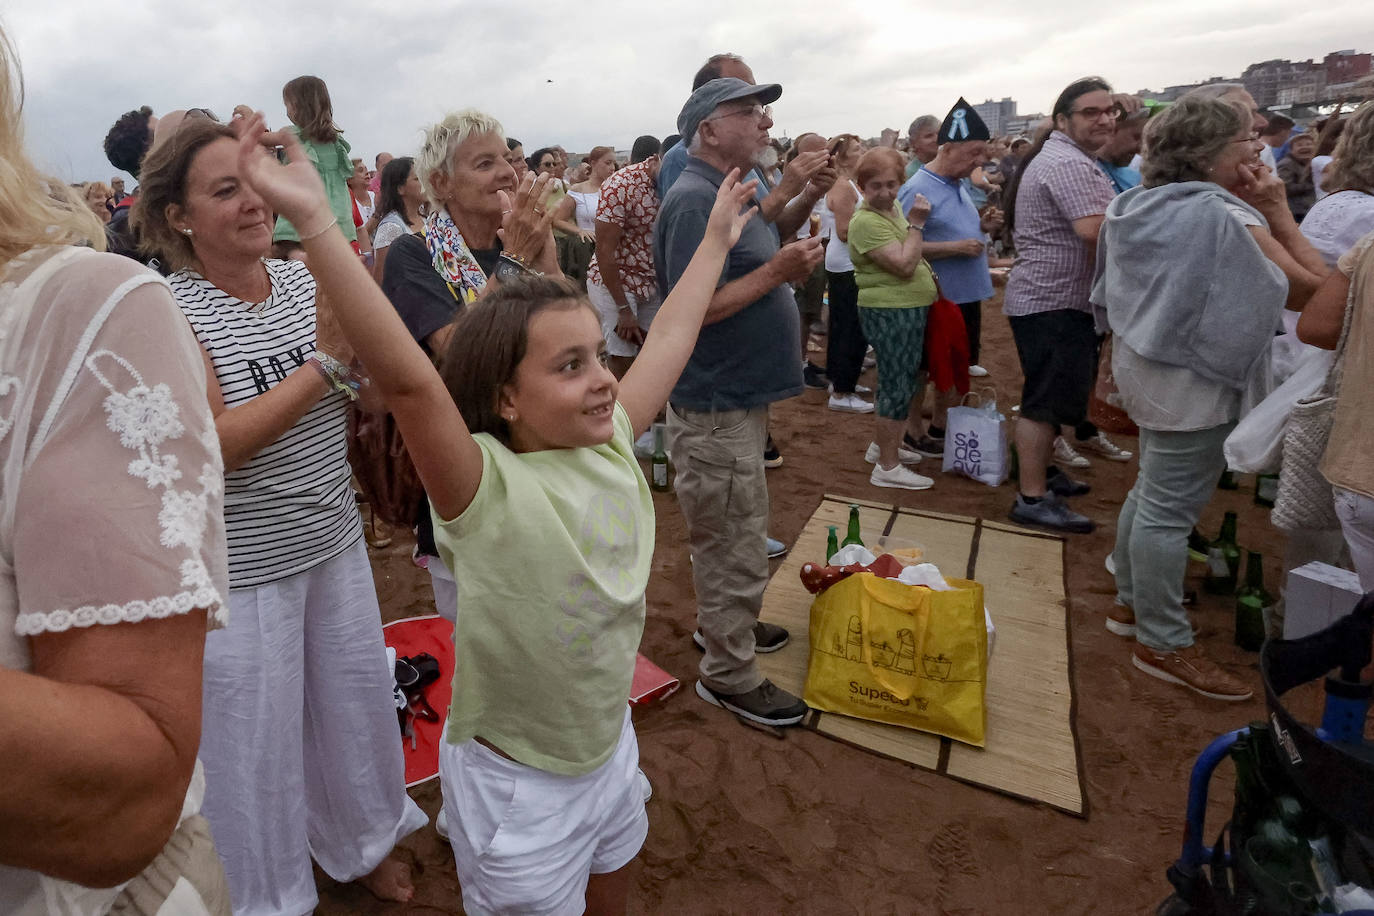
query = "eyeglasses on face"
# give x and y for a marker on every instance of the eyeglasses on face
(1115, 112)
(759, 112)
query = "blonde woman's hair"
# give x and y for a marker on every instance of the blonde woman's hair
(442, 141)
(34, 209)
(1352, 161)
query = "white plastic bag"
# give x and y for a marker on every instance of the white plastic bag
(976, 442)
(1255, 446)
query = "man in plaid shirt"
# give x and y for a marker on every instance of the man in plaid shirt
(1055, 213)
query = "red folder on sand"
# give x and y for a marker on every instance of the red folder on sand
(434, 634)
(651, 683)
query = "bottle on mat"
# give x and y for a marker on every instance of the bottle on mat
(1266, 490)
(1254, 605)
(1223, 559)
(832, 543)
(1228, 480)
(852, 536)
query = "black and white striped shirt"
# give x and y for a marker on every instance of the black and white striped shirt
(290, 507)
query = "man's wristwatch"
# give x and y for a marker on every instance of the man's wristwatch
(508, 268)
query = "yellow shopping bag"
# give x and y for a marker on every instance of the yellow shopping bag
(901, 654)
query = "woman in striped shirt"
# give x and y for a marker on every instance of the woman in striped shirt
(299, 742)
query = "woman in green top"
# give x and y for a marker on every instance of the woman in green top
(312, 119)
(895, 287)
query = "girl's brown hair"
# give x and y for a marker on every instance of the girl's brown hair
(307, 101)
(162, 182)
(490, 339)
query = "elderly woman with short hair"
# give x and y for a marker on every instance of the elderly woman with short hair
(896, 287)
(473, 195)
(1190, 357)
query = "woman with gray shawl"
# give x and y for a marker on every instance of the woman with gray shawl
(1194, 268)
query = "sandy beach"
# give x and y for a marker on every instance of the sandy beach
(744, 822)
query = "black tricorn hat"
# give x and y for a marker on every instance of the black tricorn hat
(963, 123)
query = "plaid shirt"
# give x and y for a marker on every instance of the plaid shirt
(629, 199)
(1053, 268)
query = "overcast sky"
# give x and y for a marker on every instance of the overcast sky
(590, 73)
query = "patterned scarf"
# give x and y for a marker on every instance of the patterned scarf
(452, 259)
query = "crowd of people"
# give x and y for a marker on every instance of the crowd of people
(525, 321)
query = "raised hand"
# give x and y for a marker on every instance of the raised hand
(919, 212)
(1262, 189)
(730, 213)
(294, 189)
(802, 169)
(527, 220)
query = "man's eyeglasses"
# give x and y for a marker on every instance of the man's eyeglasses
(759, 112)
(1116, 112)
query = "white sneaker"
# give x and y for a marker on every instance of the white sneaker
(901, 478)
(904, 454)
(976, 371)
(1110, 564)
(851, 403)
(1065, 455)
(1106, 448)
(441, 824)
(862, 389)
(870, 360)
(645, 786)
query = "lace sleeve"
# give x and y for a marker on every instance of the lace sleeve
(119, 513)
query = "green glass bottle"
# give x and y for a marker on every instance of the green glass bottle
(658, 479)
(852, 535)
(1253, 605)
(1266, 490)
(1197, 546)
(1228, 481)
(1223, 559)
(832, 542)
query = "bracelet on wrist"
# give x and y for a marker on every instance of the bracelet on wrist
(333, 221)
(335, 373)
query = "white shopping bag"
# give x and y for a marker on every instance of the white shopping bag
(976, 441)
(1255, 446)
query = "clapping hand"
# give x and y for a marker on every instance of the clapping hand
(527, 221)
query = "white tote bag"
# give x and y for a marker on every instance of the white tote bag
(976, 442)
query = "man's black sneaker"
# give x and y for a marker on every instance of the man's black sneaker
(814, 377)
(929, 446)
(1050, 511)
(766, 704)
(772, 458)
(768, 637)
(1059, 482)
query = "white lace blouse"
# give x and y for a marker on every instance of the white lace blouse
(111, 483)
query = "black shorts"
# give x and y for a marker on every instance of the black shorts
(1058, 358)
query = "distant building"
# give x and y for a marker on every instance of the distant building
(996, 115)
(1304, 81)
(1022, 125)
(1346, 67)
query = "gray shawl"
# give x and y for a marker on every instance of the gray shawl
(1185, 284)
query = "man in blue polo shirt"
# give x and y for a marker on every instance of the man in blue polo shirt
(955, 232)
(747, 356)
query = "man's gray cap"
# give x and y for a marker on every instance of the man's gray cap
(718, 91)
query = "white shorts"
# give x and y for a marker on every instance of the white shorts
(610, 317)
(525, 840)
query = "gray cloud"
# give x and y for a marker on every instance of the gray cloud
(617, 69)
